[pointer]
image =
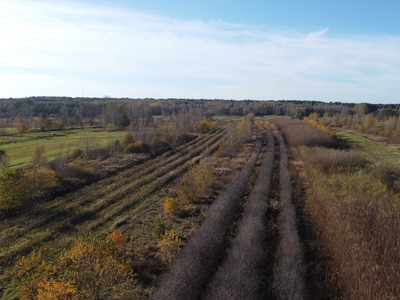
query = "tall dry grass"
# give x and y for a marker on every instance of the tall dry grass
(298, 133)
(241, 275)
(289, 269)
(358, 219)
(187, 276)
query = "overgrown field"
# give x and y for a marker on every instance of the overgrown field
(249, 210)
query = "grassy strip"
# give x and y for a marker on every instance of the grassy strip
(288, 280)
(195, 263)
(241, 275)
(388, 155)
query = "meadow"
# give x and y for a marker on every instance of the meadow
(20, 146)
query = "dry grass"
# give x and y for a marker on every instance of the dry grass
(297, 133)
(358, 219)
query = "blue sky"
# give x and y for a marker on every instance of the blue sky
(346, 51)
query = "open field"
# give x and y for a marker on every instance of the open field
(379, 151)
(19, 147)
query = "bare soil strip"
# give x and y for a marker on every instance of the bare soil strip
(289, 267)
(241, 275)
(188, 275)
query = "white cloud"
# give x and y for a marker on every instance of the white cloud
(58, 49)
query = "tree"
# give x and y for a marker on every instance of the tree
(123, 120)
(299, 114)
(38, 158)
(21, 125)
(369, 121)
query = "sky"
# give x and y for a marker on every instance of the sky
(345, 51)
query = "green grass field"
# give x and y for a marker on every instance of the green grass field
(19, 147)
(379, 151)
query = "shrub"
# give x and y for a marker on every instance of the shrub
(196, 184)
(137, 147)
(15, 191)
(41, 180)
(111, 128)
(92, 269)
(172, 206)
(159, 227)
(158, 145)
(169, 247)
(127, 139)
(77, 153)
(118, 238)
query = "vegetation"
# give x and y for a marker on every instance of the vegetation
(93, 268)
(182, 204)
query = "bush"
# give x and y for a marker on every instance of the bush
(41, 180)
(15, 191)
(172, 206)
(137, 147)
(77, 153)
(159, 227)
(111, 128)
(196, 184)
(93, 268)
(169, 247)
(127, 139)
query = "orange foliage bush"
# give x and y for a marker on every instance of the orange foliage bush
(118, 238)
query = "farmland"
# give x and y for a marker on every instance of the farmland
(221, 218)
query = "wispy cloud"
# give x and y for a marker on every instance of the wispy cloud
(58, 49)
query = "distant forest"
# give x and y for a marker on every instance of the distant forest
(45, 113)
